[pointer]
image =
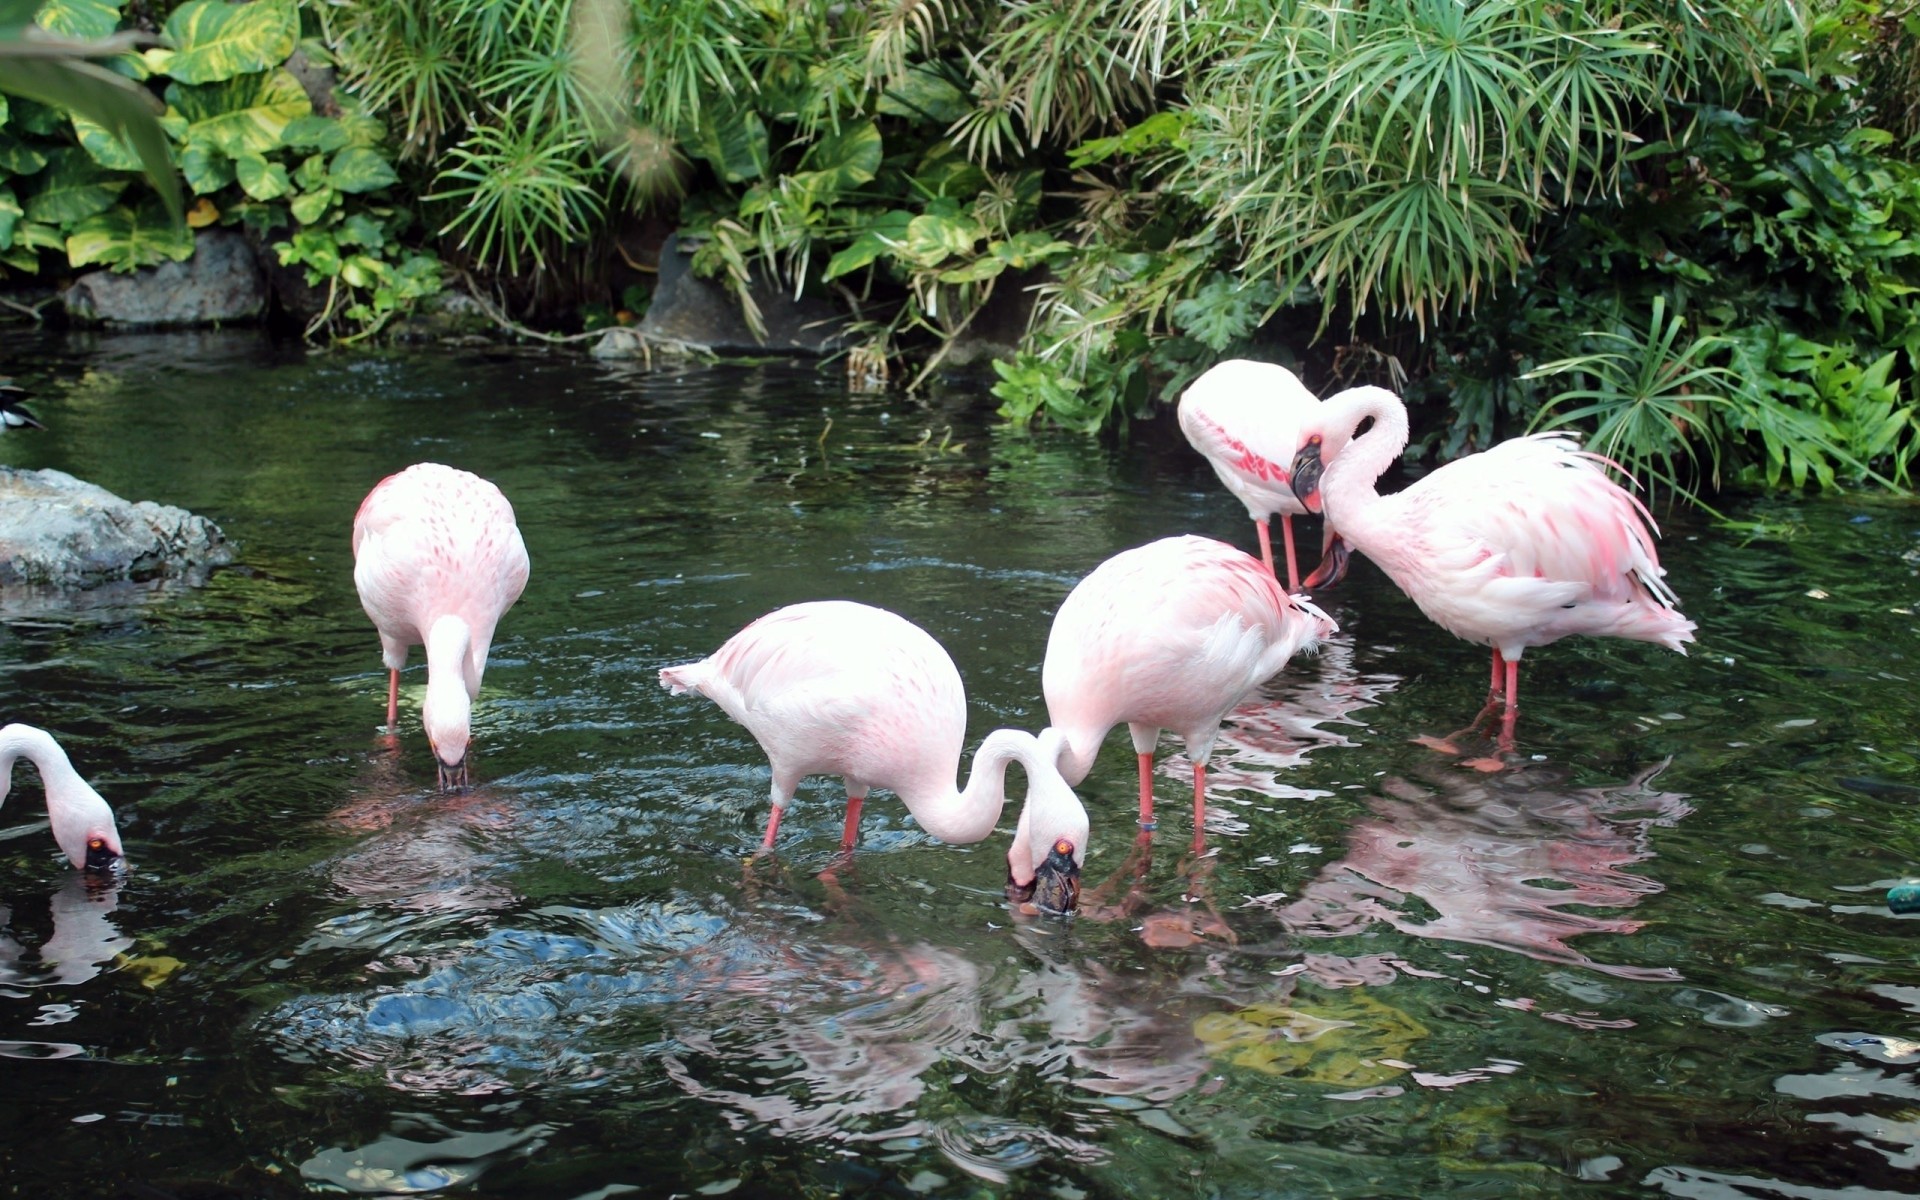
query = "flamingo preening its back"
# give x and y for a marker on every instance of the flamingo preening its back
(833, 687)
(1517, 546)
(437, 560)
(82, 823)
(1169, 635)
(1245, 417)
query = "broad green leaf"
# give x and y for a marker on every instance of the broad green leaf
(980, 269)
(22, 259)
(946, 171)
(241, 115)
(105, 98)
(734, 143)
(882, 236)
(313, 249)
(363, 270)
(358, 169)
(72, 188)
(311, 206)
(6, 111)
(362, 230)
(261, 179)
(214, 40)
(849, 157)
(104, 145)
(207, 169)
(157, 59)
(38, 236)
(20, 158)
(81, 20)
(931, 238)
(126, 239)
(30, 114)
(10, 214)
(926, 94)
(311, 174)
(315, 132)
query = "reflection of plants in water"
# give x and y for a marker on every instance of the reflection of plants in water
(1347, 1040)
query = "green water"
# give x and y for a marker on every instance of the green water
(1652, 960)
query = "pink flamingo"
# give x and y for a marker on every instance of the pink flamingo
(1516, 546)
(82, 822)
(1245, 417)
(1169, 635)
(437, 559)
(838, 688)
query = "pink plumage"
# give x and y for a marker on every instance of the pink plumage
(1170, 635)
(1245, 417)
(1517, 546)
(833, 687)
(437, 561)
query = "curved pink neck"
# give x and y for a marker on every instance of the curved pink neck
(1347, 487)
(969, 816)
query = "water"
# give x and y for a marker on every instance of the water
(1655, 959)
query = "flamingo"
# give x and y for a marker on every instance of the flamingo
(1169, 635)
(82, 822)
(833, 687)
(1517, 546)
(437, 560)
(13, 414)
(1245, 417)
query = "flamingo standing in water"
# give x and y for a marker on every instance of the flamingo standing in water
(1245, 417)
(1169, 635)
(838, 688)
(82, 822)
(437, 560)
(1516, 546)
(13, 414)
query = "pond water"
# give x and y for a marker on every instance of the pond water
(1653, 959)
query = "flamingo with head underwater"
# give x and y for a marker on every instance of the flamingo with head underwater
(437, 561)
(1245, 417)
(82, 822)
(1516, 546)
(1169, 635)
(834, 687)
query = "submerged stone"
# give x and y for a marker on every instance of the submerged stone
(59, 531)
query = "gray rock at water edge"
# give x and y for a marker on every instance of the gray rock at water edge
(222, 282)
(699, 312)
(61, 531)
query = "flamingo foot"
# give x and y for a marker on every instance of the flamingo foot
(1489, 764)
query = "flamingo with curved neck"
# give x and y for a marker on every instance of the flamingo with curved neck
(1517, 546)
(82, 822)
(1169, 635)
(833, 687)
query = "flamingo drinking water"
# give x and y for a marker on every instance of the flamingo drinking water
(82, 822)
(1169, 635)
(438, 559)
(833, 687)
(1517, 546)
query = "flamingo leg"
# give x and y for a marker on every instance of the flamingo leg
(1499, 683)
(773, 828)
(1199, 807)
(1266, 544)
(1511, 716)
(393, 701)
(1293, 564)
(1146, 791)
(850, 836)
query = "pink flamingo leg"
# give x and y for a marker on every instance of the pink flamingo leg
(393, 701)
(1512, 714)
(850, 836)
(1496, 688)
(1266, 544)
(1293, 567)
(1199, 807)
(1146, 791)
(773, 828)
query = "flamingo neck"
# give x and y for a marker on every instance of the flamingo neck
(1076, 752)
(970, 814)
(37, 747)
(1348, 488)
(449, 649)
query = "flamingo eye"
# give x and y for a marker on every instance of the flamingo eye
(1063, 846)
(96, 843)
(1314, 440)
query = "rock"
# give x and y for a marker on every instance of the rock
(620, 342)
(699, 312)
(220, 283)
(61, 531)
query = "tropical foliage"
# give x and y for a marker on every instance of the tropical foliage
(1687, 229)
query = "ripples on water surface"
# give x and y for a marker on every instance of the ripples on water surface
(1654, 960)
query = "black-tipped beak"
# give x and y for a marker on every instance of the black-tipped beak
(1333, 564)
(102, 857)
(1056, 884)
(1305, 475)
(453, 777)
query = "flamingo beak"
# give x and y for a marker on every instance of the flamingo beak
(452, 777)
(1333, 563)
(1056, 882)
(101, 856)
(1305, 475)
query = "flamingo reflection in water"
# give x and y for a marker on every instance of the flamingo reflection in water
(83, 941)
(1511, 862)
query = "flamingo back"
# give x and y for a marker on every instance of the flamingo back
(839, 688)
(1245, 417)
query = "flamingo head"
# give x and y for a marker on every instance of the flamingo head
(1334, 553)
(83, 825)
(1056, 881)
(1308, 465)
(447, 714)
(1050, 841)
